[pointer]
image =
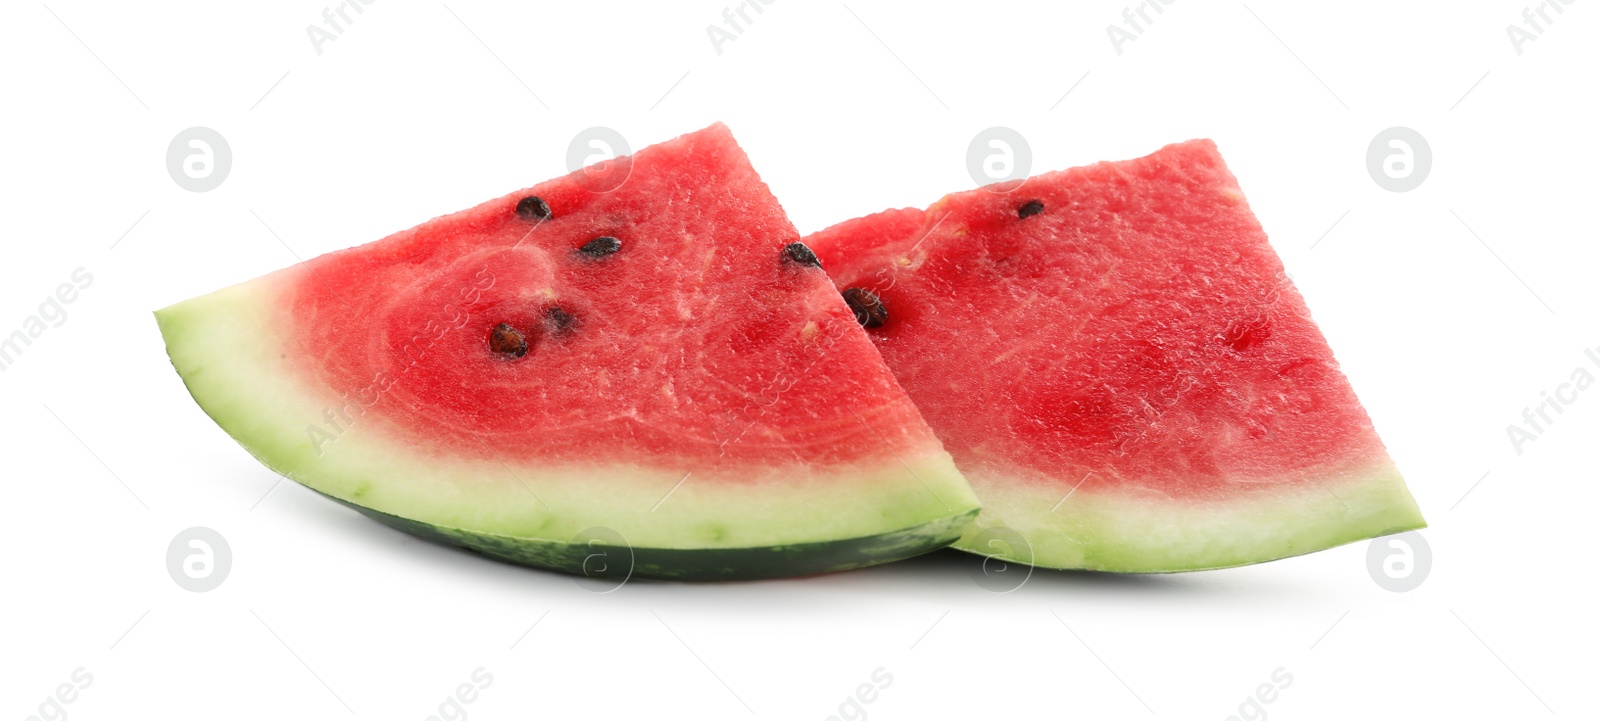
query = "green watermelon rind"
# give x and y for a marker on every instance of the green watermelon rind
(698, 564)
(1125, 534)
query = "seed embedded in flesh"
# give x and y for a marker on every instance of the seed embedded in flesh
(508, 341)
(1030, 208)
(601, 247)
(1244, 335)
(869, 310)
(533, 207)
(558, 322)
(799, 253)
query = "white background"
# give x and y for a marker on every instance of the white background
(419, 109)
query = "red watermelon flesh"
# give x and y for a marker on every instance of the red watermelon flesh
(1119, 365)
(659, 359)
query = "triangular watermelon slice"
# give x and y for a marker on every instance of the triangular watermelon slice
(1121, 369)
(579, 373)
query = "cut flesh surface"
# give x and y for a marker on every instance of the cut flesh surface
(1120, 367)
(636, 355)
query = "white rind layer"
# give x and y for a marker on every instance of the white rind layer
(1152, 533)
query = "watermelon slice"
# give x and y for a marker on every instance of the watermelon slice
(572, 375)
(1121, 369)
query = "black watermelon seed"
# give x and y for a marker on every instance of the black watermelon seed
(601, 247)
(869, 311)
(1032, 207)
(558, 321)
(508, 341)
(799, 253)
(533, 207)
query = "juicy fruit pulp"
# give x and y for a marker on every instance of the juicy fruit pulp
(648, 361)
(1120, 367)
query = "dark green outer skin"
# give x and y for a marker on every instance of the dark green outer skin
(599, 560)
